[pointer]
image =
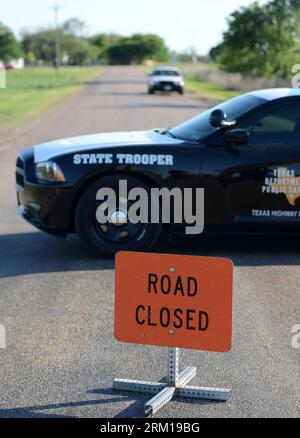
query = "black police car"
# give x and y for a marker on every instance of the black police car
(245, 153)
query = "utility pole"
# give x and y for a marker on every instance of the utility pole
(56, 8)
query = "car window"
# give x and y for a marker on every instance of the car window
(199, 127)
(277, 125)
(165, 73)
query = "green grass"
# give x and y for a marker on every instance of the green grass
(31, 91)
(209, 91)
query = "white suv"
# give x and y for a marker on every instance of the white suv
(166, 79)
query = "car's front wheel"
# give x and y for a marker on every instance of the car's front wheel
(118, 234)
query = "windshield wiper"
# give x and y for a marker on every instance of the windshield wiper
(169, 133)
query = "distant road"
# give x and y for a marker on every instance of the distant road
(56, 301)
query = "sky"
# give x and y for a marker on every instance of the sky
(184, 24)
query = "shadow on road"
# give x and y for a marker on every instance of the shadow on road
(175, 106)
(243, 250)
(34, 253)
(34, 411)
(115, 81)
(124, 93)
(135, 410)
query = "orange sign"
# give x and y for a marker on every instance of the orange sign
(174, 301)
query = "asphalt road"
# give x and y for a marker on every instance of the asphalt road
(56, 301)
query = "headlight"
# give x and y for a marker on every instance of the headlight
(49, 172)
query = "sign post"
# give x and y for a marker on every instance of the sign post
(177, 302)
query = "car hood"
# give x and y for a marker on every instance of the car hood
(53, 149)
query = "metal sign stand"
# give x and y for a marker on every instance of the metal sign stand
(176, 385)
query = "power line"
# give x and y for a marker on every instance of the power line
(56, 8)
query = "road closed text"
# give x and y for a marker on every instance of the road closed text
(172, 318)
(172, 300)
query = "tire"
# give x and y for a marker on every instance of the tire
(105, 239)
(181, 92)
(150, 91)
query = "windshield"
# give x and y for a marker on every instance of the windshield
(165, 73)
(199, 127)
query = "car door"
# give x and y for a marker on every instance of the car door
(259, 182)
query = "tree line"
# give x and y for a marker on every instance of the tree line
(40, 47)
(261, 40)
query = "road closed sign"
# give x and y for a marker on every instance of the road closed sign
(174, 301)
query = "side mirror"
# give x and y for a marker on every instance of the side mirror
(218, 119)
(237, 136)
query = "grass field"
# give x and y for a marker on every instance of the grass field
(209, 91)
(31, 91)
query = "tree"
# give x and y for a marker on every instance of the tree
(137, 48)
(102, 42)
(79, 49)
(215, 52)
(9, 47)
(30, 58)
(261, 40)
(74, 46)
(74, 26)
(41, 44)
(150, 46)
